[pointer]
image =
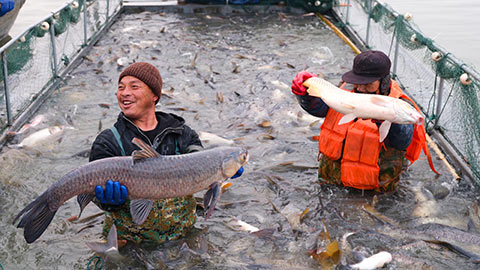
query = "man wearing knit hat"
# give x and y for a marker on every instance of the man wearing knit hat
(139, 90)
(347, 153)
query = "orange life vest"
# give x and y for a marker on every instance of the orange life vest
(359, 143)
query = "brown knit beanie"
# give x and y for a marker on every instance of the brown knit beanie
(147, 73)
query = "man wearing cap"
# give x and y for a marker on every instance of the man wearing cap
(139, 90)
(373, 165)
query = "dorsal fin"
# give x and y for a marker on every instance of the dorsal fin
(146, 152)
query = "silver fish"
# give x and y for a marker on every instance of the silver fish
(366, 106)
(147, 176)
(373, 262)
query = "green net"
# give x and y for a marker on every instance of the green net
(45, 51)
(420, 66)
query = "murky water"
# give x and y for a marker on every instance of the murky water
(227, 75)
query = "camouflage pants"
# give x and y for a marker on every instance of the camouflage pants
(169, 219)
(391, 165)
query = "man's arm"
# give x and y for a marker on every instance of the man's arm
(399, 136)
(114, 195)
(192, 140)
(312, 105)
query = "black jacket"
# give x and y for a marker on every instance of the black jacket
(175, 133)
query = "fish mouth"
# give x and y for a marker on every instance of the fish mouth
(420, 121)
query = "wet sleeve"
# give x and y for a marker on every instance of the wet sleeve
(102, 147)
(313, 105)
(399, 136)
(193, 143)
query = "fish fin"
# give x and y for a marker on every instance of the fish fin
(140, 209)
(347, 118)
(83, 200)
(140, 155)
(146, 152)
(112, 242)
(313, 91)
(384, 129)
(210, 199)
(36, 217)
(378, 100)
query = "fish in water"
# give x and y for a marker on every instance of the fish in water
(214, 139)
(146, 174)
(42, 135)
(366, 106)
(373, 262)
(35, 122)
(466, 243)
(108, 249)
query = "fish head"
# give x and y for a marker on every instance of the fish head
(235, 159)
(406, 113)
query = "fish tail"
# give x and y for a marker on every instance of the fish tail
(36, 217)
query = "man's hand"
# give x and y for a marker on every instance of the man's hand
(114, 193)
(297, 83)
(6, 6)
(238, 173)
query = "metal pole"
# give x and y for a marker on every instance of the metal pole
(5, 84)
(54, 50)
(85, 39)
(395, 57)
(108, 10)
(348, 12)
(369, 5)
(439, 102)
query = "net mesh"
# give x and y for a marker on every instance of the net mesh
(422, 67)
(43, 54)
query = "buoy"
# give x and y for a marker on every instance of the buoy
(56, 16)
(317, 3)
(45, 26)
(436, 56)
(413, 38)
(74, 4)
(408, 16)
(465, 79)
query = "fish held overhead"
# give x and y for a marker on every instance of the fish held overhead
(366, 106)
(147, 175)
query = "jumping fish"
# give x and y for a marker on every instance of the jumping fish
(367, 106)
(42, 135)
(146, 174)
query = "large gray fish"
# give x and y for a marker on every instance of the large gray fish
(147, 176)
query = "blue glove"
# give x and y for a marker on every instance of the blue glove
(114, 194)
(238, 173)
(6, 6)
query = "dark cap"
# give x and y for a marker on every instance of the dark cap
(147, 73)
(368, 67)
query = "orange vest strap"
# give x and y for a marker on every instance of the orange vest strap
(419, 141)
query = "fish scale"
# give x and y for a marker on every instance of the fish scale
(145, 177)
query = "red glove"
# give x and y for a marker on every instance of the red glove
(297, 83)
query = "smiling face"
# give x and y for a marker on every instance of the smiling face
(135, 98)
